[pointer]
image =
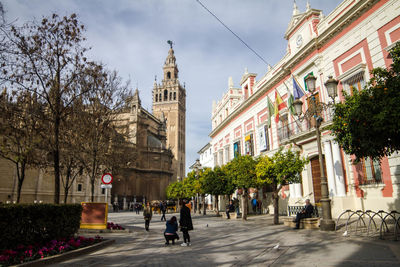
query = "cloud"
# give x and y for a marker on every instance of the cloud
(130, 37)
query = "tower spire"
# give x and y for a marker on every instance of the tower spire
(295, 8)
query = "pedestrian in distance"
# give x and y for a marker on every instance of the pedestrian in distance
(236, 204)
(137, 208)
(254, 204)
(147, 214)
(259, 206)
(170, 233)
(163, 209)
(230, 208)
(185, 222)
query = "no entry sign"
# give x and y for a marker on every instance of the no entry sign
(107, 178)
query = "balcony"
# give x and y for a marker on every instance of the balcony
(296, 129)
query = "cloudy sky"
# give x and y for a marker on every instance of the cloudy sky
(131, 36)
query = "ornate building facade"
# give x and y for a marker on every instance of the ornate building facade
(346, 44)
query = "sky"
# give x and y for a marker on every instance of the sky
(130, 36)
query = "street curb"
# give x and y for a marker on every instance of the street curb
(103, 231)
(68, 255)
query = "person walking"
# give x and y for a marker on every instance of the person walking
(254, 204)
(163, 208)
(185, 222)
(147, 214)
(170, 231)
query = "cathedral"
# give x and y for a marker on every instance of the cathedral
(159, 138)
(159, 141)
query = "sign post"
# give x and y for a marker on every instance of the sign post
(106, 179)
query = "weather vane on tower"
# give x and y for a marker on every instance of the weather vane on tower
(170, 43)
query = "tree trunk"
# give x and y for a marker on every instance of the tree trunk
(216, 205)
(204, 204)
(92, 189)
(244, 204)
(21, 178)
(92, 179)
(56, 158)
(275, 198)
(198, 204)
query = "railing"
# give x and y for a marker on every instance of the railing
(296, 127)
(385, 225)
(293, 210)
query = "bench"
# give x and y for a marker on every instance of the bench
(306, 223)
(233, 215)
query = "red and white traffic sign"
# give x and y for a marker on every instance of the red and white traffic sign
(107, 178)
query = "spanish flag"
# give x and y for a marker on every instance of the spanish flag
(279, 105)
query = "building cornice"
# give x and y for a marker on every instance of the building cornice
(313, 45)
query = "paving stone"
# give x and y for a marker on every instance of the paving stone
(221, 242)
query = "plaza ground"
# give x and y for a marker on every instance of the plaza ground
(220, 242)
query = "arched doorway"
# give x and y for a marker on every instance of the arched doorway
(316, 177)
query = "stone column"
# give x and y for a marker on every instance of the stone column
(124, 204)
(329, 168)
(297, 190)
(291, 191)
(338, 170)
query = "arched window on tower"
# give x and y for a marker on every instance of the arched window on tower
(174, 95)
(165, 95)
(170, 95)
(159, 97)
(156, 97)
(169, 75)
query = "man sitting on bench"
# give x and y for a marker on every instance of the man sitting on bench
(306, 212)
(230, 208)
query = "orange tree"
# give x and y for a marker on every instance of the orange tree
(367, 123)
(216, 182)
(279, 170)
(243, 174)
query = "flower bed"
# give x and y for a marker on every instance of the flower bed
(28, 253)
(114, 226)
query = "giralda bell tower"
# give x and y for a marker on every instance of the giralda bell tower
(169, 102)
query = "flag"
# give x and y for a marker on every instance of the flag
(290, 104)
(279, 105)
(270, 111)
(297, 91)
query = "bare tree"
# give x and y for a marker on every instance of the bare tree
(48, 59)
(19, 127)
(103, 142)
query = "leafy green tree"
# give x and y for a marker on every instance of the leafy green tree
(279, 170)
(217, 183)
(243, 174)
(367, 123)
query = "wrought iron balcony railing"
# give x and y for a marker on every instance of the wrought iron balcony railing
(296, 127)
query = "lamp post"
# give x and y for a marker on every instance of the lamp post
(314, 111)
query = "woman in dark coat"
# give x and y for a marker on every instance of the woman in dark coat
(185, 222)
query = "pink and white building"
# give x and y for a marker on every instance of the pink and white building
(346, 44)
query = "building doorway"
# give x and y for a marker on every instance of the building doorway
(316, 177)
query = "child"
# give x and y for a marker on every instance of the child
(170, 231)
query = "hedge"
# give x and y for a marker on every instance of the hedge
(34, 224)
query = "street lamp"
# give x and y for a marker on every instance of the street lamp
(314, 111)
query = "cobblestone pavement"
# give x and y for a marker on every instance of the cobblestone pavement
(220, 242)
